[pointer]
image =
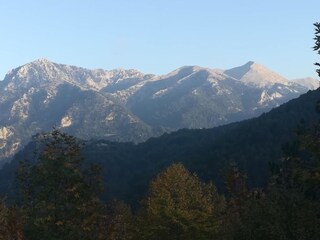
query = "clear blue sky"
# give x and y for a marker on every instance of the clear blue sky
(157, 36)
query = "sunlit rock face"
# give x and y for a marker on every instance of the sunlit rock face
(127, 105)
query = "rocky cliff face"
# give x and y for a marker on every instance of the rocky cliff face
(127, 105)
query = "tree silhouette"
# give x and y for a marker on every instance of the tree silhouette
(317, 43)
(60, 196)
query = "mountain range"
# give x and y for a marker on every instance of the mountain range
(253, 145)
(127, 105)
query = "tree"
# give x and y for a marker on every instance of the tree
(290, 207)
(317, 43)
(10, 222)
(119, 221)
(60, 197)
(294, 191)
(179, 206)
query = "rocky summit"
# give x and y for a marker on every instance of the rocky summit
(127, 105)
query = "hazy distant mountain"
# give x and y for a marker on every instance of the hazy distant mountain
(41, 95)
(310, 83)
(254, 74)
(127, 105)
(195, 97)
(253, 145)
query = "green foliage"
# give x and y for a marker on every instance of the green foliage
(118, 221)
(11, 223)
(60, 197)
(179, 206)
(289, 209)
(317, 43)
(303, 166)
(252, 144)
(61, 200)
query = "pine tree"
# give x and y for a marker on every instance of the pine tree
(11, 223)
(317, 43)
(60, 196)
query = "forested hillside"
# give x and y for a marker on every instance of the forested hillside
(252, 144)
(58, 197)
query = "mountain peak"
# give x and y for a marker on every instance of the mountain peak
(239, 72)
(310, 83)
(253, 73)
(250, 63)
(42, 60)
(36, 68)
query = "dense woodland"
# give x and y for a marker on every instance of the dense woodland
(59, 198)
(257, 179)
(254, 145)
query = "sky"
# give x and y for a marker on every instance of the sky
(158, 36)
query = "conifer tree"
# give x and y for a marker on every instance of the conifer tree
(11, 224)
(60, 197)
(317, 43)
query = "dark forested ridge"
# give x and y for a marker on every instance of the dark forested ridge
(172, 183)
(60, 199)
(251, 144)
